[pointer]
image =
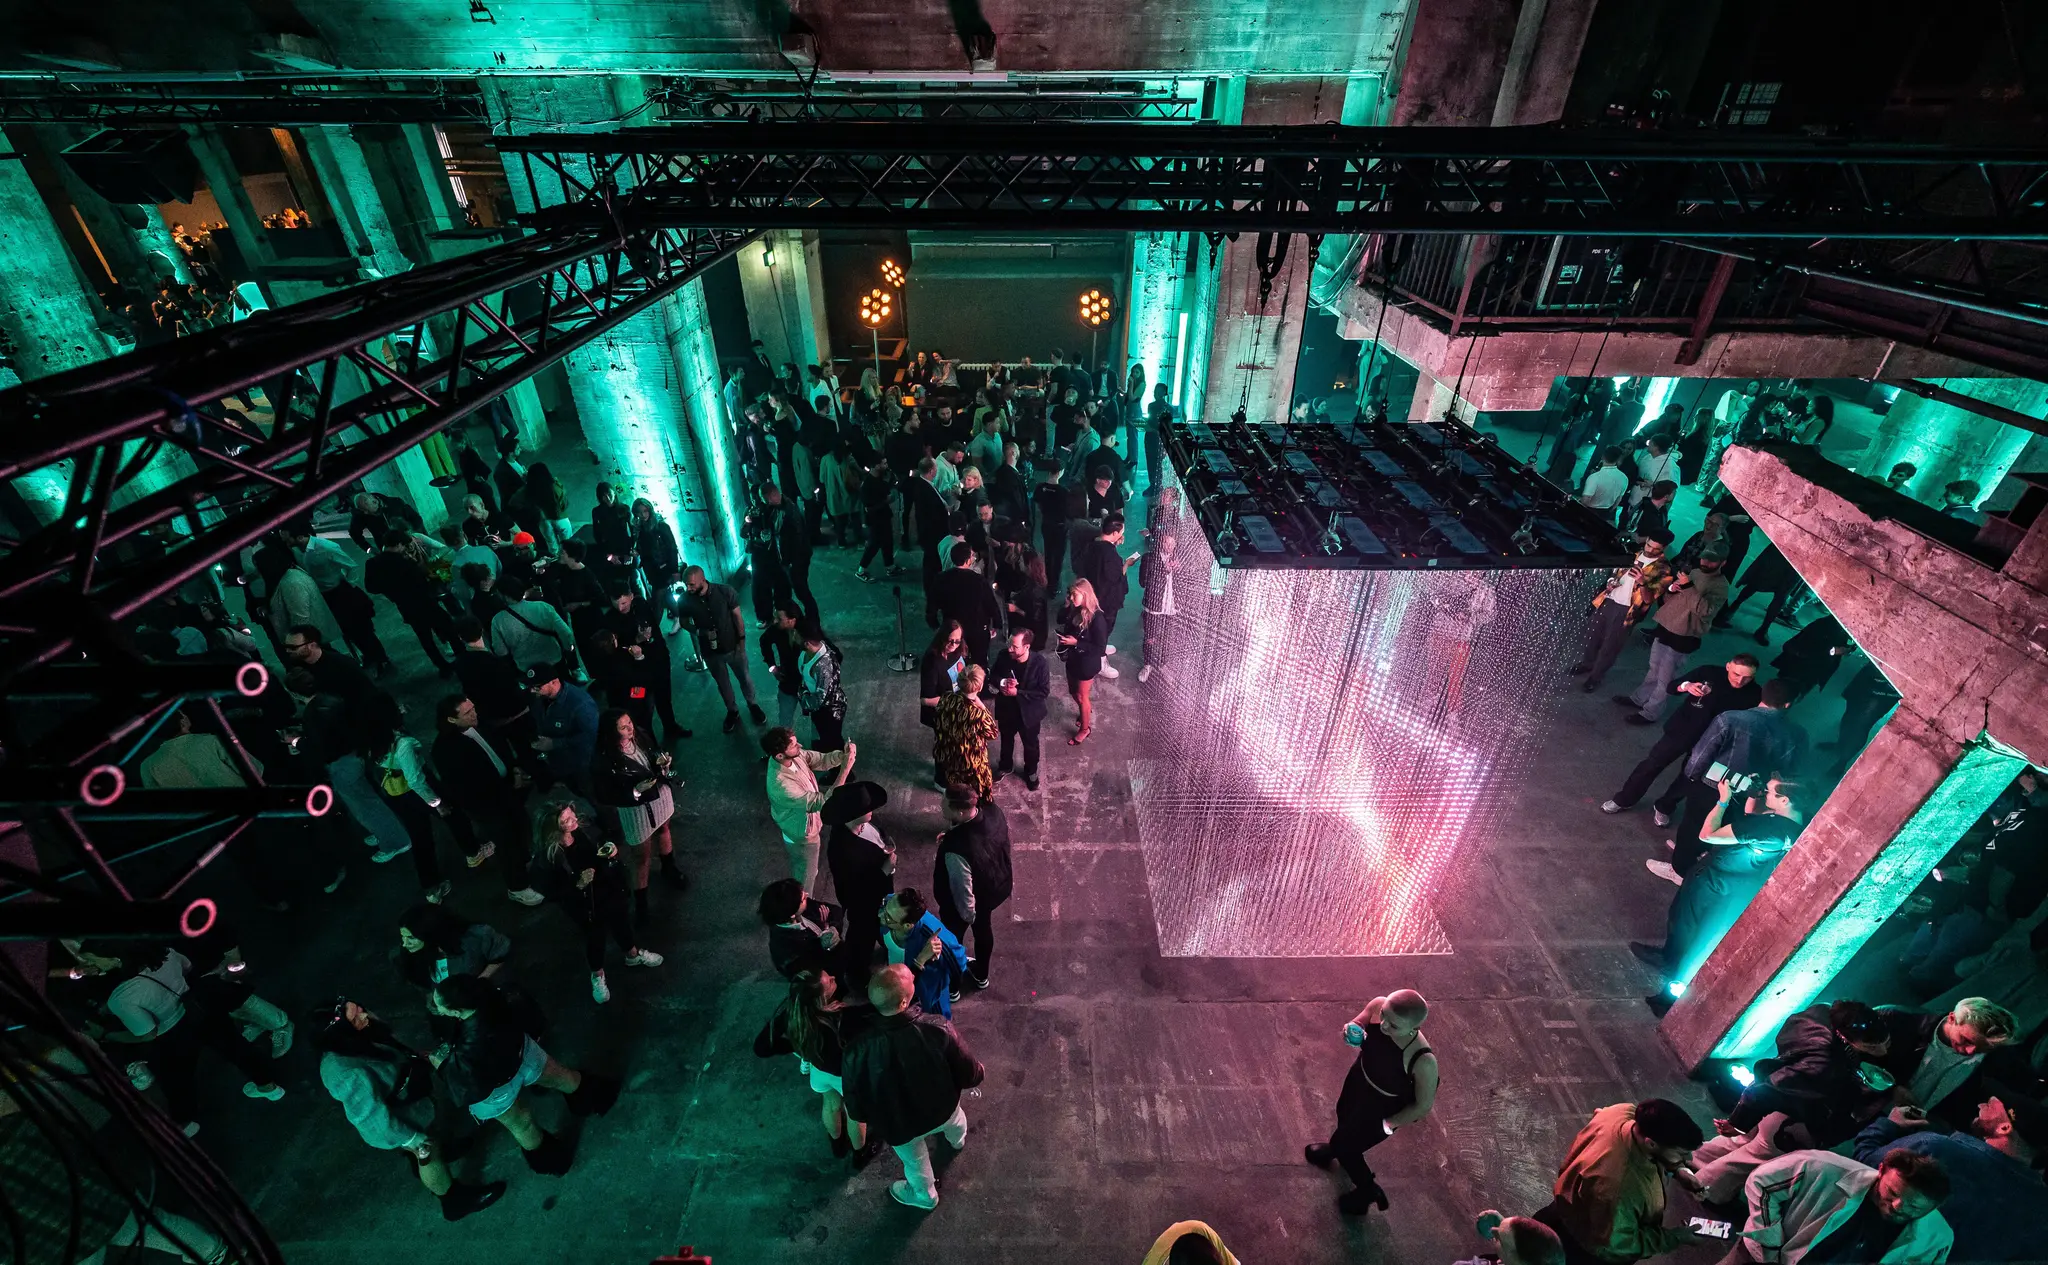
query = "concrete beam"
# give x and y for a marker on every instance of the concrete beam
(1965, 642)
(1511, 371)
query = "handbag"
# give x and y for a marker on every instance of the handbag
(415, 1080)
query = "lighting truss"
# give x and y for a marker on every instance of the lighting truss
(1072, 100)
(255, 100)
(1316, 179)
(66, 589)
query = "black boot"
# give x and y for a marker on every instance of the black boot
(841, 1148)
(552, 1157)
(1362, 1201)
(868, 1151)
(673, 873)
(463, 1198)
(594, 1096)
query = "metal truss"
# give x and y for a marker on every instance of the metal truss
(1070, 100)
(1320, 179)
(258, 100)
(339, 411)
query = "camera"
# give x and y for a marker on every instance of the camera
(1738, 783)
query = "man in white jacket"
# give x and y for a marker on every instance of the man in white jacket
(1826, 1207)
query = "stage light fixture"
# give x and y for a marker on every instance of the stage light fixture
(892, 272)
(1741, 1075)
(875, 306)
(768, 256)
(1095, 307)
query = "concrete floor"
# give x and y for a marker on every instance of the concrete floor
(1124, 1091)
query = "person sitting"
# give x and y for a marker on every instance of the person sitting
(1819, 1206)
(1933, 1057)
(1609, 1196)
(1999, 1204)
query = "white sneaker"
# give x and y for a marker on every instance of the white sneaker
(481, 855)
(190, 1128)
(525, 896)
(1109, 650)
(253, 1090)
(381, 855)
(901, 1192)
(1610, 807)
(645, 957)
(1660, 817)
(281, 1041)
(1144, 674)
(1110, 672)
(600, 992)
(1663, 870)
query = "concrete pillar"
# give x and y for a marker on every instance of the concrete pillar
(1961, 643)
(1949, 443)
(224, 181)
(1903, 805)
(633, 388)
(786, 299)
(344, 173)
(1255, 341)
(1152, 315)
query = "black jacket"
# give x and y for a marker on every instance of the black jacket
(904, 1076)
(968, 597)
(492, 683)
(464, 773)
(928, 511)
(1695, 714)
(616, 778)
(405, 583)
(985, 844)
(793, 949)
(658, 553)
(556, 877)
(1034, 686)
(611, 530)
(484, 1053)
(1099, 563)
(857, 874)
(1012, 498)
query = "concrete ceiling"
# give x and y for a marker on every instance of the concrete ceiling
(1276, 37)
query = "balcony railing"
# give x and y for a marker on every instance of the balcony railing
(1568, 282)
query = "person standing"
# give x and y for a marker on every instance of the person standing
(1810, 656)
(483, 782)
(876, 486)
(636, 622)
(532, 633)
(1023, 683)
(397, 576)
(904, 1077)
(1630, 593)
(1056, 508)
(1107, 570)
(163, 1006)
(1769, 573)
(1392, 1082)
(654, 546)
(915, 937)
(1083, 636)
(585, 877)
(387, 1092)
(929, 517)
(965, 597)
(1741, 853)
(971, 874)
(1606, 485)
(1157, 609)
(781, 646)
(633, 779)
(817, 1023)
(1759, 741)
(819, 693)
(712, 612)
(863, 865)
(803, 931)
(963, 729)
(1707, 691)
(794, 796)
(1609, 1200)
(1690, 603)
(398, 767)
(339, 578)
(565, 718)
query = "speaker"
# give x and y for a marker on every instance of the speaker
(136, 166)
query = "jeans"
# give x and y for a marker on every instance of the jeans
(351, 786)
(1667, 749)
(1930, 959)
(917, 1159)
(1665, 665)
(984, 940)
(725, 668)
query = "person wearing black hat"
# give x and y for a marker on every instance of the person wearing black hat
(566, 717)
(863, 865)
(1997, 1202)
(387, 1091)
(1020, 681)
(971, 873)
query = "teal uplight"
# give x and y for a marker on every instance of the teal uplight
(711, 431)
(1156, 263)
(1984, 771)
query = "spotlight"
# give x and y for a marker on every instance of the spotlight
(1741, 1075)
(1675, 988)
(768, 256)
(875, 306)
(1095, 307)
(892, 272)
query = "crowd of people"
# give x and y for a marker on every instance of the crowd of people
(555, 760)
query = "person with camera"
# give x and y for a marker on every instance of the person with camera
(1687, 610)
(903, 1078)
(635, 781)
(636, 622)
(583, 874)
(387, 1092)
(1392, 1082)
(1707, 692)
(794, 796)
(489, 1057)
(1756, 741)
(1741, 851)
(1629, 594)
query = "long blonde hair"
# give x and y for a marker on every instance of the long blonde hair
(1082, 594)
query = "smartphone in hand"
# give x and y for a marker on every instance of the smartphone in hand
(1711, 1229)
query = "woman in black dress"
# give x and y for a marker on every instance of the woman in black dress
(1083, 637)
(1392, 1082)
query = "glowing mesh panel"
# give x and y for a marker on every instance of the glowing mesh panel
(1334, 742)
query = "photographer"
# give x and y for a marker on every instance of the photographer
(1756, 740)
(1741, 852)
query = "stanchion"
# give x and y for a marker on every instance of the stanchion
(902, 660)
